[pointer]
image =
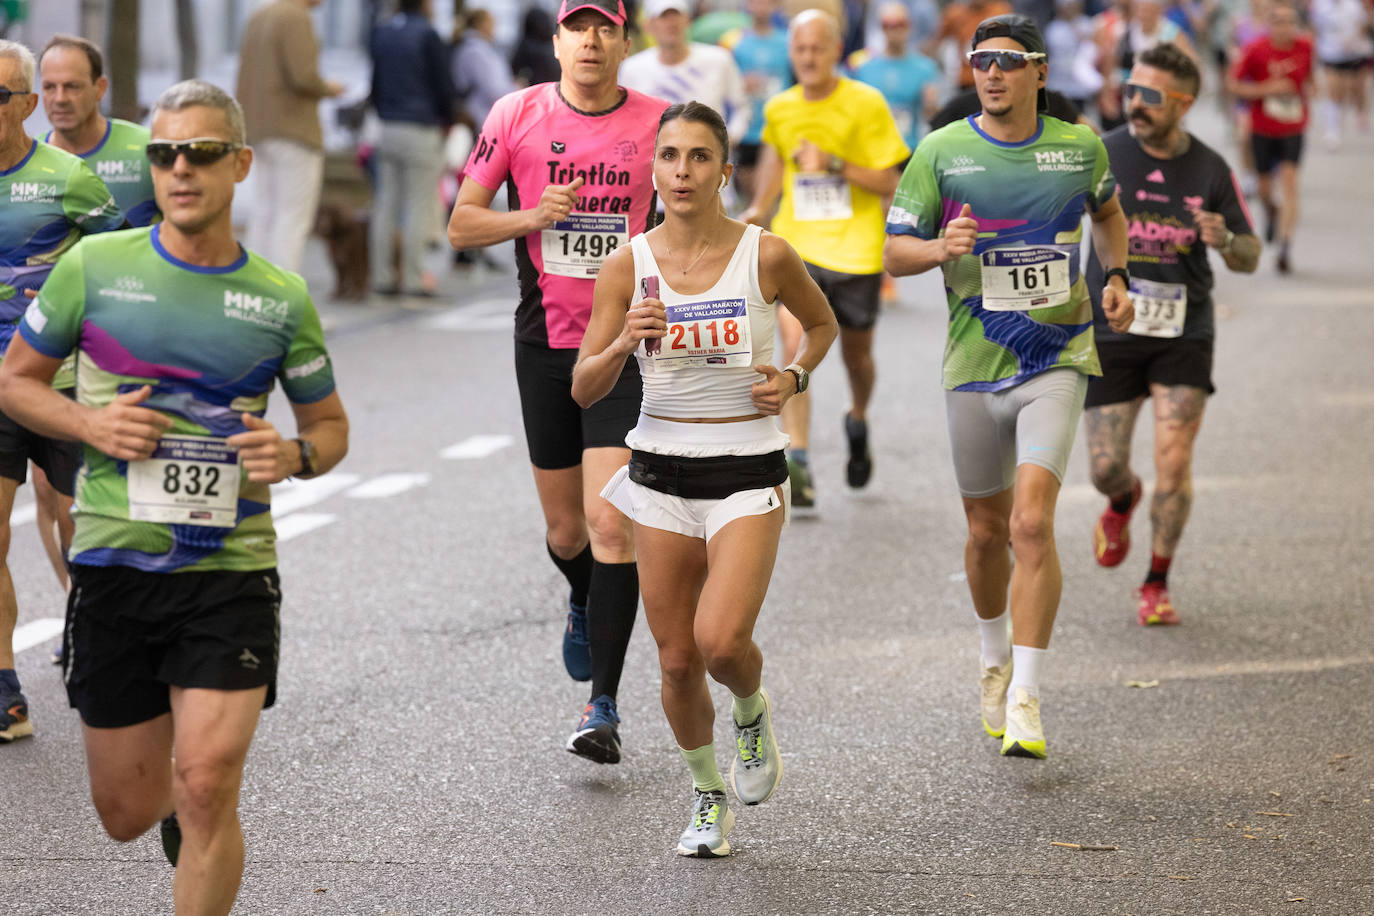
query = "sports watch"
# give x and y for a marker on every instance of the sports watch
(1117, 272)
(801, 375)
(308, 457)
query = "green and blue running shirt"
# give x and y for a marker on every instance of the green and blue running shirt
(212, 343)
(120, 160)
(47, 202)
(1018, 306)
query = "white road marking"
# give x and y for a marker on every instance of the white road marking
(290, 495)
(388, 485)
(1348, 399)
(36, 632)
(486, 315)
(23, 515)
(476, 447)
(301, 523)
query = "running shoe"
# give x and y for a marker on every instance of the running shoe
(171, 838)
(1024, 736)
(14, 718)
(1155, 608)
(577, 650)
(1284, 264)
(1271, 221)
(596, 736)
(1112, 535)
(860, 466)
(57, 653)
(803, 493)
(757, 768)
(712, 820)
(994, 683)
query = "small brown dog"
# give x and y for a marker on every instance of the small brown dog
(344, 231)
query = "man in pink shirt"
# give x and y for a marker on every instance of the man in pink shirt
(578, 156)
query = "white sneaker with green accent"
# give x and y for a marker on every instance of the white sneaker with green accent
(757, 768)
(1024, 736)
(712, 820)
(994, 683)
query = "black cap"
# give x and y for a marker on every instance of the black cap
(1018, 28)
(1021, 29)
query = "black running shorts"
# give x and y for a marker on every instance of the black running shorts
(1270, 151)
(557, 430)
(58, 459)
(1131, 366)
(131, 635)
(853, 297)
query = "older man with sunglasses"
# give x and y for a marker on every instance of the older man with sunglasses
(1181, 199)
(51, 198)
(173, 628)
(996, 201)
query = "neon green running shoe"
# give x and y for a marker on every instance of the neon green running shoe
(712, 820)
(757, 768)
(1024, 736)
(994, 683)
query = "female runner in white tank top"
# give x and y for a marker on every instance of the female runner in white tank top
(706, 485)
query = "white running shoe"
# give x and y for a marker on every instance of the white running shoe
(994, 683)
(1024, 736)
(757, 768)
(712, 820)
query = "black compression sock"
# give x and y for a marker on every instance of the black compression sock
(611, 610)
(577, 570)
(1124, 504)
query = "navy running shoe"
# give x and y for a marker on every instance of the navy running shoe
(14, 718)
(597, 736)
(171, 838)
(577, 650)
(859, 468)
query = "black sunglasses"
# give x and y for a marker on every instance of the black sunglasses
(198, 151)
(7, 94)
(1150, 97)
(1005, 60)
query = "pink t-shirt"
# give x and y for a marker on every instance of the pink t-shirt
(532, 138)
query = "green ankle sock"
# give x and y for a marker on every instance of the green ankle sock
(747, 709)
(702, 762)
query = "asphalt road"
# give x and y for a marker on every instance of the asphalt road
(415, 762)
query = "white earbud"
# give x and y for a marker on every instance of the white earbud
(722, 185)
(653, 180)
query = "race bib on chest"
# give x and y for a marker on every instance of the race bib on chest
(1286, 109)
(576, 246)
(189, 480)
(820, 195)
(1020, 279)
(706, 335)
(1160, 308)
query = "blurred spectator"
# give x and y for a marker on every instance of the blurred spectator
(280, 88)
(909, 81)
(957, 25)
(533, 60)
(1141, 24)
(711, 25)
(481, 74)
(412, 91)
(1073, 52)
(761, 54)
(678, 70)
(1343, 46)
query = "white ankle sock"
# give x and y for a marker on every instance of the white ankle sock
(996, 641)
(1025, 669)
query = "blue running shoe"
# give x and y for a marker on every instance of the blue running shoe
(596, 736)
(14, 718)
(577, 650)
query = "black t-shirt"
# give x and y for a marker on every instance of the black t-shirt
(1159, 197)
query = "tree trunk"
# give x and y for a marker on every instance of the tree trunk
(122, 50)
(186, 39)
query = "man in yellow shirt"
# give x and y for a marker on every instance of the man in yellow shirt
(831, 150)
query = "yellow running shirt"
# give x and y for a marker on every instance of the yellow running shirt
(831, 222)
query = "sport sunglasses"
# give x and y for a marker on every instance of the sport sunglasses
(198, 151)
(1005, 60)
(1150, 97)
(7, 94)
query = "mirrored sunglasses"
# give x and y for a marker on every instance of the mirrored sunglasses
(1005, 60)
(198, 151)
(7, 94)
(1150, 97)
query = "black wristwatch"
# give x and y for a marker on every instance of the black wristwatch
(801, 375)
(308, 457)
(1118, 272)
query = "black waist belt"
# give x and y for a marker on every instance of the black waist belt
(707, 478)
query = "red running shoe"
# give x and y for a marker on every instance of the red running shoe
(1155, 609)
(1112, 534)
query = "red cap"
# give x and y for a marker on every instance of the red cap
(613, 10)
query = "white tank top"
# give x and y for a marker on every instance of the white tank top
(704, 367)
